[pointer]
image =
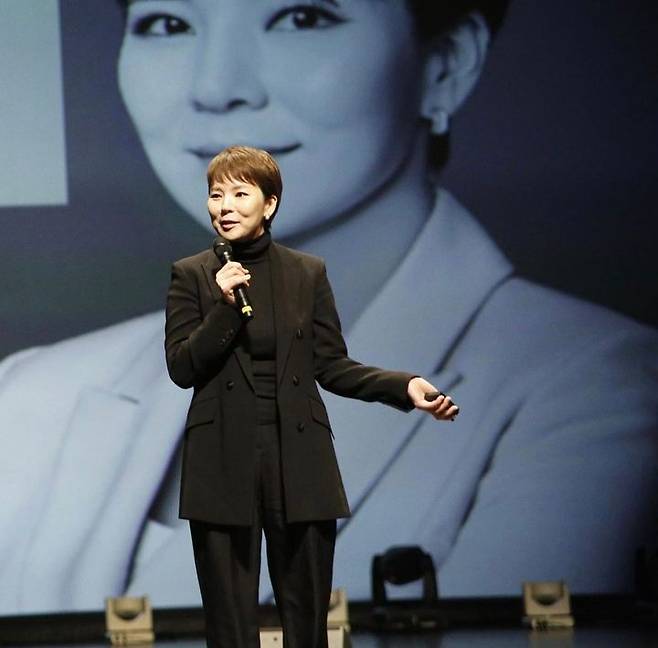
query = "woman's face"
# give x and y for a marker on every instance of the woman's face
(238, 209)
(331, 88)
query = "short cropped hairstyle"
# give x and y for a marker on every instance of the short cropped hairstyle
(251, 165)
(436, 18)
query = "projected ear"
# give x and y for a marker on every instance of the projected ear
(452, 68)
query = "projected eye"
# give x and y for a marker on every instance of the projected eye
(304, 17)
(161, 25)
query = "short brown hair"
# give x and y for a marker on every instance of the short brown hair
(251, 165)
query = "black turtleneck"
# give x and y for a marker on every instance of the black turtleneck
(260, 337)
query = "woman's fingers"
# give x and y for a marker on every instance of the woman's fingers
(447, 414)
(231, 269)
(234, 281)
(229, 277)
(443, 408)
(443, 405)
(426, 397)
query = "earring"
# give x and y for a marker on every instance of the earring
(440, 120)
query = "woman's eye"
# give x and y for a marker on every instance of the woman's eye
(161, 25)
(304, 17)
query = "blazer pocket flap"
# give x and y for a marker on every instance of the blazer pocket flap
(319, 413)
(202, 412)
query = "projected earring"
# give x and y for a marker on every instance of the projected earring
(440, 120)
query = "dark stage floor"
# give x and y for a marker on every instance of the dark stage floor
(507, 638)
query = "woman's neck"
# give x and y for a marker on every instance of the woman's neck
(252, 249)
(365, 246)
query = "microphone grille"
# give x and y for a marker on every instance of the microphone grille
(221, 245)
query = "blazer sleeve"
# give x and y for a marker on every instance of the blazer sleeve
(336, 372)
(195, 345)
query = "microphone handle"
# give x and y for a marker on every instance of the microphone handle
(241, 299)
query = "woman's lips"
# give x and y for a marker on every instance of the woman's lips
(206, 153)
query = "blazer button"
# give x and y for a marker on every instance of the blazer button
(300, 427)
(299, 334)
(230, 384)
(295, 381)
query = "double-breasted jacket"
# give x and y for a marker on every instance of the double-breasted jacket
(205, 350)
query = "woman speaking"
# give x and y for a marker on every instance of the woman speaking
(356, 102)
(258, 454)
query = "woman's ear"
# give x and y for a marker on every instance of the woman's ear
(270, 206)
(453, 65)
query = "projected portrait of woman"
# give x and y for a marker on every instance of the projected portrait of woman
(550, 470)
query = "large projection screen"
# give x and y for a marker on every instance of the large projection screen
(519, 276)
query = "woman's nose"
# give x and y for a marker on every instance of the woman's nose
(226, 76)
(226, 205)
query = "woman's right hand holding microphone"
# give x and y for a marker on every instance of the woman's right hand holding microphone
(230, 276)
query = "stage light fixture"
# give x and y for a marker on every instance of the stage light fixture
(400, 566)
(547, 605)
(129, 621)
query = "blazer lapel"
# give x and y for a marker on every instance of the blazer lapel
(210, 268)
(108, 469)
(286, 282)
(244, 360)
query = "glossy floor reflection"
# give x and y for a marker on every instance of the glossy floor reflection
(578, 638)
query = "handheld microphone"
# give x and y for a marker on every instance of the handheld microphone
(224, 252)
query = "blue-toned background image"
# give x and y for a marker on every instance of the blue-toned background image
(479, 177)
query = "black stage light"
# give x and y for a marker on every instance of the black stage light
(400, 566)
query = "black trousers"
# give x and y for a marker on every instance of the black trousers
(299, 556)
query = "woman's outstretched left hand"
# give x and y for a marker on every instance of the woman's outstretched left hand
(442, 408)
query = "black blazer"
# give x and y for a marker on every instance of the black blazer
(204, 350)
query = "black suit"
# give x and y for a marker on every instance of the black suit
(205, 350)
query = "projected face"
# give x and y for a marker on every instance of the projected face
(331, 88)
